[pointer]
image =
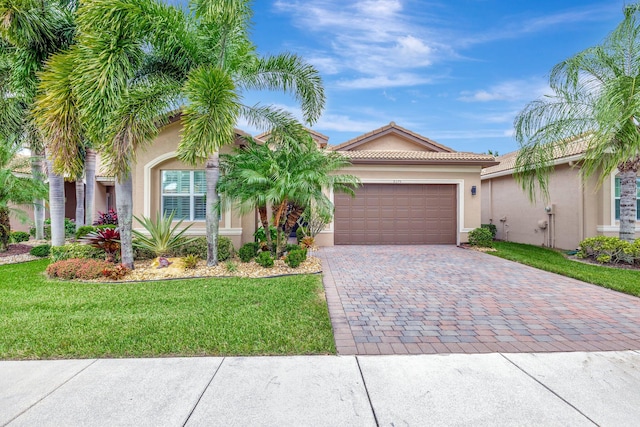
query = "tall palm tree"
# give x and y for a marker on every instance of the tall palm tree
(31, 31)
(226, 66)
(288, 173)
(596, 98)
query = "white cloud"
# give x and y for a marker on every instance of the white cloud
(512, 90)
(376, 39)
(384, 81)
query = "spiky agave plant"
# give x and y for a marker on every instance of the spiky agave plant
(162, 236)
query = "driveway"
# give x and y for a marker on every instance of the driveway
(444, 299)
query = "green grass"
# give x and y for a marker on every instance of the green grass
(41, 318)
(627, 281)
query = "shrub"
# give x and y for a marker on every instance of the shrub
(300, 234)
(225, 248)
(41, 251)
(141, 254)
(307, 242)
(248, 251)
(107, 218)
(261, 236)
(607, 250)
(19, 236)
(231, 266)
(190, 261)
(265, 259)
(107, 239)
(481, 237)
(163, 236)
(84, 230)
(115, 272)
(69, 228)
(492, 228)
(75, 250)
(295, 258)
(85, 269)
(291, 247)
(196, 246)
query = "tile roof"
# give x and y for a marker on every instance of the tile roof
(435, 156)
(508, 161)
(388, 127)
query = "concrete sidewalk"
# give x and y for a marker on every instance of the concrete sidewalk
(483, 389)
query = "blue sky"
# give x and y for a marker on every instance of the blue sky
(456, 71)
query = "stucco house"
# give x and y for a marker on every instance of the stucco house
(575, 209)
(414, 190)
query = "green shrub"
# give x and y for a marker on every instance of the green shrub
(69, 228)
(142, 254)
(190, 261)
(609, 250)
(197, 246)
(481, 237)
(295, 258)
(105, 226)
(225, 248)
(84, 230)
(162, 237)
(301, 233)
(231, 266)
(291, 247)
(265, 259)
(19, 236)
(492, 228)
(84, 269)
(75, 250)
(261, 236)
(248, 251)
(41, 251)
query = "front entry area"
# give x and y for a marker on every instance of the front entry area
(397, 214)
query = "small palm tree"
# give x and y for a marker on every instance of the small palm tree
(289, 173)
(597, 99)
(14, 190)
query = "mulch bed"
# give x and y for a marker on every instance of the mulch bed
(16, 249)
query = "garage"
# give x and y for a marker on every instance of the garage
(397, 214)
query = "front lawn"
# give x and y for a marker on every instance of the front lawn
(41, 318)
(627, 281)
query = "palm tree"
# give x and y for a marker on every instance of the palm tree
(31, 32)
(226, 66)
(14, 190)
(596, 99)
(289, 173)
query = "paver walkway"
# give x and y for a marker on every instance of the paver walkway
(445, 299)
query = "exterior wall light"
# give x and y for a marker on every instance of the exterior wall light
(473, 190)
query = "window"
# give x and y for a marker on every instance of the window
(183, 192)
(617, 196)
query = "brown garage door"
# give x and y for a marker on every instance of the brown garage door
(397, 214)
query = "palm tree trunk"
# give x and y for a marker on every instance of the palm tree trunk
(292, 219)
(90, 189)
(79, 203)
(56, 205)
(124, 207)
(628, 196)
(5, 229)
(264, 219)
(38, 205)
(212, 174)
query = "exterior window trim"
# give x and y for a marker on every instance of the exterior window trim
(615, 199)
(191, 195)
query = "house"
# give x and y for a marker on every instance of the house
(575, 209)
(414, 190)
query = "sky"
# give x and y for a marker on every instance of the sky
(455, 71)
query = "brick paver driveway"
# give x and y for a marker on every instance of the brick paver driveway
(444, 299)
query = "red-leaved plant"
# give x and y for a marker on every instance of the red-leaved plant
(108, 217)
(107, 239)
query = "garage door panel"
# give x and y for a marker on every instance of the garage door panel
(397, 214)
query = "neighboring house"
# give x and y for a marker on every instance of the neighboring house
(574, 211)
(415, 191)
